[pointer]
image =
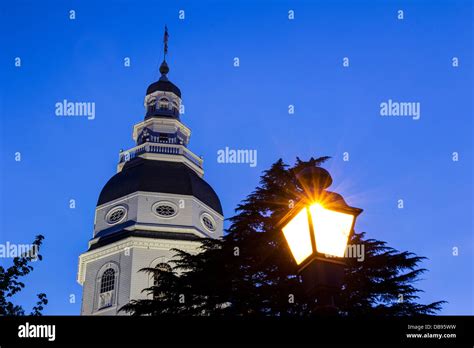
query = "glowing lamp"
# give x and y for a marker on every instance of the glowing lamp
(319, 231)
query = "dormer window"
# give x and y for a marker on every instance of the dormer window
(163, 103)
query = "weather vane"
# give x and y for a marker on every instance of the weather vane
(165, 42)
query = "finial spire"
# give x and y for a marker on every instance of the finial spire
(164, 69)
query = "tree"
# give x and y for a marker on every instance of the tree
(11, 285)
(250, 272)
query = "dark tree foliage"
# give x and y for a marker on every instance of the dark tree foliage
(250, 271)
(10, 283)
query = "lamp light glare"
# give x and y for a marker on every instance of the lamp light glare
(331, 230)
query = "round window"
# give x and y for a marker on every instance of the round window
(208, 222)
(115, 215)
(165, 209)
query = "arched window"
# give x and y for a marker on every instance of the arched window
(107, 287)
(162, 267)
(163, 103)
(151, 105)
(108, 281)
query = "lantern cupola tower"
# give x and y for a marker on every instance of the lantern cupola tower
(157, 201)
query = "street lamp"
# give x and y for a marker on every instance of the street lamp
(317, 231)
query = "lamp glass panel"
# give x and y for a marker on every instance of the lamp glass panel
(331, 230)
(298, 236)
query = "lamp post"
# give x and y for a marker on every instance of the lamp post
(317, 231)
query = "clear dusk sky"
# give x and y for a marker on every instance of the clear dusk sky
(282, 62)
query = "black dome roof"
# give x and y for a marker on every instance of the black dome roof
(163, 85)
(159, 176)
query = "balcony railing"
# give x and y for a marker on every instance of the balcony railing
(167, 149)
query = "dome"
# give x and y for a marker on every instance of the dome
(159, 176)
(165, 86)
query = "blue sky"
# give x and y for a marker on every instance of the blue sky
(282, 62)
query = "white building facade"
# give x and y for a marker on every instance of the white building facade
(157, 201)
